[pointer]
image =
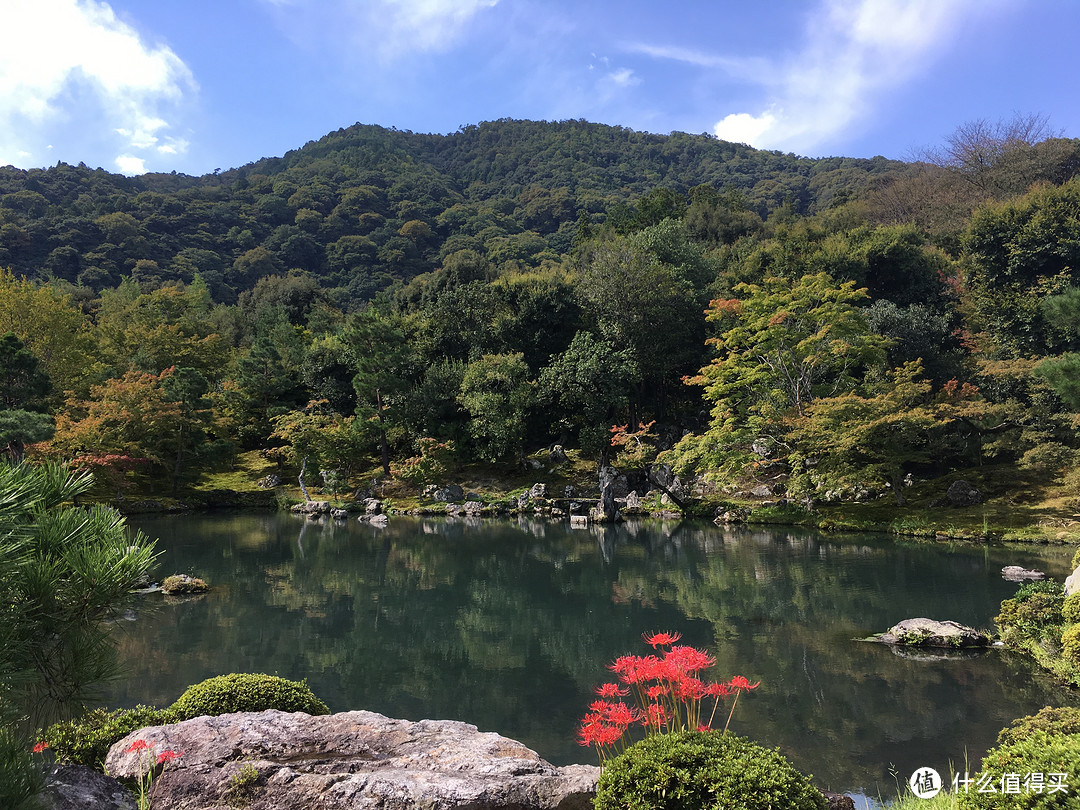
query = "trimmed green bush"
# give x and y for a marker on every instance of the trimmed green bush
(1076, 559)
(87, 740)
(1051, 720)
(245, 692)
(1034, 610)
(1037, 753)
(702, 771)
(1070, 609)
(1070, 644)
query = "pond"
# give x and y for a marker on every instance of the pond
(509, 625)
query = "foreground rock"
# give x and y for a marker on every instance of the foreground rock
(76, 787)
(931, 633)
(350, 760)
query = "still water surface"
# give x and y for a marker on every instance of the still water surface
(510, 625)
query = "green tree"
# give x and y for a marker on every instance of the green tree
(65, 572)
(382, 360)
(587, 388)
(783, 343)
(497, 393)
(24, 389)
(855, 439)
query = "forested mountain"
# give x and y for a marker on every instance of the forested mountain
(392, 302)
(366, 206)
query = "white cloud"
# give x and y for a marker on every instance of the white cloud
(74, 63)
(129, 164)
(430, 25)
(855, 50)
(388, 29)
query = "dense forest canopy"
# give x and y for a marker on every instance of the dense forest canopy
(388, 300)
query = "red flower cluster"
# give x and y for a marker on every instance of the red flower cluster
(668, 693)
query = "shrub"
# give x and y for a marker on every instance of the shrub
(87, 740)
(1051, 720)
(1070, 644)
(244, 692)
(1076, 559)
(1037, 753)
(703, 770)
(1070, 609)
(1034, 611)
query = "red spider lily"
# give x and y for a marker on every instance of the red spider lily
(689, 659)
(622, 715)
(610, 690)
(655, 716)
(39, 747)
(167, 755)
(668, 692)
(739, 682)
(138, 745)
(721, 690)
(660, 639)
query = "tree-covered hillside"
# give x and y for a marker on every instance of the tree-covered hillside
(366, 206)
(394, 304)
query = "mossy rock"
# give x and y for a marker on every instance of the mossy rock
(245, 692)
(181, 584)
(703, 770)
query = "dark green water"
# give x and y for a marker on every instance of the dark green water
(510, 625)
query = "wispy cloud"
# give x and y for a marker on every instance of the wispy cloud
(388, 29)
(853, 52)
(75, 62)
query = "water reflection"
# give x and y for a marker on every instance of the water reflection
(509, 625)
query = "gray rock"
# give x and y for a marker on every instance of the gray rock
(961, 493)
(351, 761)
(633, 500)
(569, 491)
(1015, 573)
(523, 500)
(339, 514)
(538, 491)
(930, 633)
(372, 506)
(269, 481)
(451, 493)
(557, 455)
(473, 508)
(76, 787)
(1072, 582)
(664, 477)
(762, 491)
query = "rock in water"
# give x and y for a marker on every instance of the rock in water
(931, 633)
(1015, 573)
(350, 761)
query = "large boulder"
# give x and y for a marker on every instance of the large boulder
(930, 633)
(961, 493)
(76, 787)
(349, 761)
(1072, 582)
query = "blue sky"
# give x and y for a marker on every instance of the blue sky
(197, 85)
